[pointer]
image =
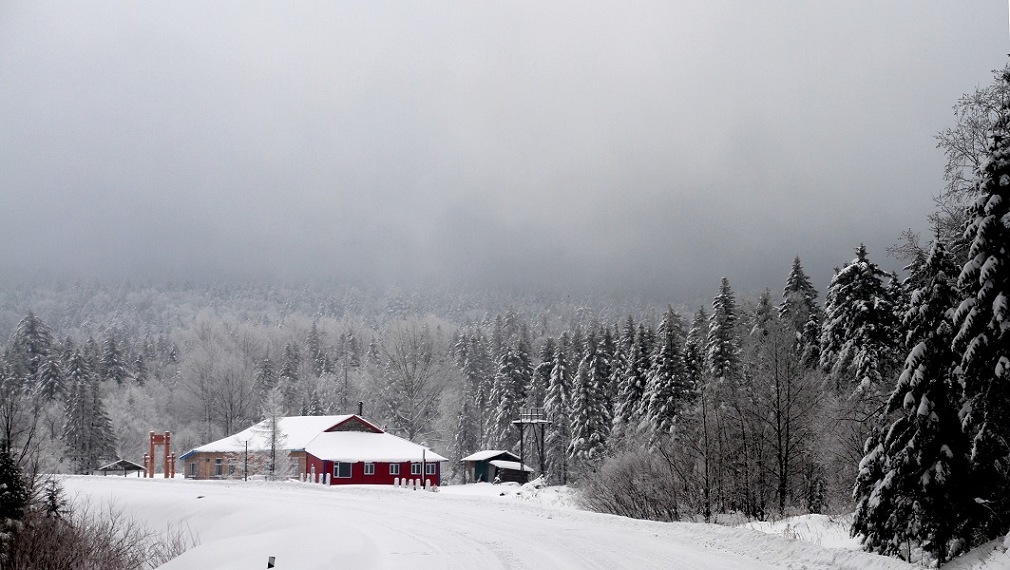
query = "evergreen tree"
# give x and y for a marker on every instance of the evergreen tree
(557, 407)
(723, 347)
(477, 380)
(799, 308)
(292, 362)
(140, 373)
(266, 377)
(983, 335)
(631, 404)
(88, 429)
(587, 415)
(31, 343)
(668, 388)
(14, 492)
(859, 337)
(507, 396)
(50, 379)
(542, 374)
(602, 370)
(111, 363)
(923, 467)
(694, 351)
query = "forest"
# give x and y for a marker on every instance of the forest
(885, 398)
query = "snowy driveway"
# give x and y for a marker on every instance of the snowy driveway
(310, 527)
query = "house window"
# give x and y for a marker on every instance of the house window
(218, 467)
(192, 470)
(231, 467)
(429, 468)
(394, 468)
(369, 469)
(415, 468)
(342, 470)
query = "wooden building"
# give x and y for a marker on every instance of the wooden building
(489, 465)
(348, 449)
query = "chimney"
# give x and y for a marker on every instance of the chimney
(361, 406)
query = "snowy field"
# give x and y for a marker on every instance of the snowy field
(305, 527)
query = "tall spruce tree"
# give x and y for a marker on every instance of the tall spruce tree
(111, 363)
(799, 308)
(31, 343)
(630, 404)
(669, 389)
(983, 336)
(923, 457)
(508, 393)
(859, 339)
(557, 407)
(694, 350)
(588, 416)
(88, 429)
(723, 346)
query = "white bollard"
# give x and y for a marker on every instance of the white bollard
(326, 479)
(427, 484)
(396, 481)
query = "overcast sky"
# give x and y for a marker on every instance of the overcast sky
(646, 147)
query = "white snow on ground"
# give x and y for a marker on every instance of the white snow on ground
(824, 530)
(305, 526)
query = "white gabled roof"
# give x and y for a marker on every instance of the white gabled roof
(356, 446)
(488, 454)
(298, 432)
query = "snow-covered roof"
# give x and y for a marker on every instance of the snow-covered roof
(488, 454)
(511, 465)
(367, 446)
(298, 432)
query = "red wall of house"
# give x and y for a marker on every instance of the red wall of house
(358, 477)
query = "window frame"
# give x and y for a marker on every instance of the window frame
(394, 468)
(429, 468)
(415, 468)
(369, 469)
(336, 470)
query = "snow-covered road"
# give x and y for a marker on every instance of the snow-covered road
(305, 527)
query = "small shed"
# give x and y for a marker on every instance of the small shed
(485, 466)
(121, 465)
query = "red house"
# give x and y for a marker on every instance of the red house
(349, 448)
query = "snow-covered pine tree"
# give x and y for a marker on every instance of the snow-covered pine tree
(983, 336)
(859, 339)
(694, 351)
(587, 416)
(140, 372)
(723, 346)
(602, 370)
(873, 508)
(542, 374)
(50, 379)
(478, 376)
(111, 363)
(924, 465)
(668, 389)
(557, 408)
(103, 435)
(630, 405)
(266, 376)
(31, 343)
(800, 309)
(14, 492)
(507, 398)
(88, 429)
